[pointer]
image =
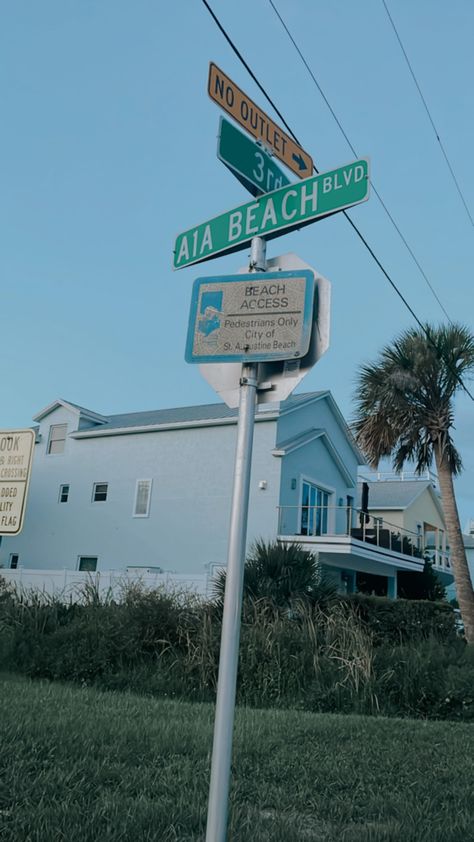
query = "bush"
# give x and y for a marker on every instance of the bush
(401, 620)
(364, 654)
(281, 573)
(429, 679)
(423, 585)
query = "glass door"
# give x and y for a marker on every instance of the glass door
(314, 510)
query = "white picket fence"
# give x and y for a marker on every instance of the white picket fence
(69, 584)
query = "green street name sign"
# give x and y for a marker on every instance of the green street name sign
(248, 161)
(275, 213)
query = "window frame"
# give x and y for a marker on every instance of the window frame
(62, 486)
(135, 499)
(79, 559)
(330, 517)
(52, 440)
(10, 559)
(94, 492)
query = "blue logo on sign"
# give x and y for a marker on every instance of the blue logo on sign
(210, 310)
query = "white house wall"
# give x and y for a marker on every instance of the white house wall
(187, 527)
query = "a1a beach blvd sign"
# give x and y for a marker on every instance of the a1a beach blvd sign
(275, 213)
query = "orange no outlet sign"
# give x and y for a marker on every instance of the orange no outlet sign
(239, 106)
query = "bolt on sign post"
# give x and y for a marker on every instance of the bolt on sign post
(273, 214)
(16, 457)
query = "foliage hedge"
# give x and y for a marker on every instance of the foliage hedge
(404, 620)
(363, 655)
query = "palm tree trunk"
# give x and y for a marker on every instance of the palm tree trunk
(462, 579)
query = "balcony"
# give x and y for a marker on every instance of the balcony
(347, 536)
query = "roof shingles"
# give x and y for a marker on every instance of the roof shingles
(189, 414)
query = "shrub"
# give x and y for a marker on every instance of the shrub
(281, 573)
(364, 654)
(402, 620)
(423, 585)
(428, 679)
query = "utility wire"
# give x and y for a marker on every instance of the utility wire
(379, 197)
(354, 226)
(430, 118)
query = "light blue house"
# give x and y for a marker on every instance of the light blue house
(153, 490)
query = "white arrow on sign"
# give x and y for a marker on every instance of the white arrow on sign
(277, 380)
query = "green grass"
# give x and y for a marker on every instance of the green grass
(82, 765)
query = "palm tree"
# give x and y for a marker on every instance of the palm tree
(281, 574)
(404, 409)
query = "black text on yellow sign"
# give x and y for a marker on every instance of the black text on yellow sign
(239, 106)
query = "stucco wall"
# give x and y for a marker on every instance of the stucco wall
(422, 510)
(319, 413)
(314, 462)
(390, 517)
(188, 524)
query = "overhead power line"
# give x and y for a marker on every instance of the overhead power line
(351, 222)
(379, 197)
(430, 118)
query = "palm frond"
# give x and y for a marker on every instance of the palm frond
(404, 400)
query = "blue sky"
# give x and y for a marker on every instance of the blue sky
(108, 150)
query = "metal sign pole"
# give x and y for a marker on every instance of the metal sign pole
(229, 652)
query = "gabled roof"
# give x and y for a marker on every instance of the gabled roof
(87, 414)
(285, 447)
(398, 494)
(200, 415)
(188, 416)
(204, 412)
(216, 413)
(293, 443)
(296, 401)
(178, 415)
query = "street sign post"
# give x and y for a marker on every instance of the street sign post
(216, 830)
(244, 111)
(234, 332)
(248, 160)
(16, 456)
(258, 317)
(275, 213)
(277, 379)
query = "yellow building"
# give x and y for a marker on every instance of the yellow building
(411, 508)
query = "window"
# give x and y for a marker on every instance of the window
(314, 510)
(141, 506)
(63, 493)
(57, 438)
(14, 559)
(88, 563)
(99, 492)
